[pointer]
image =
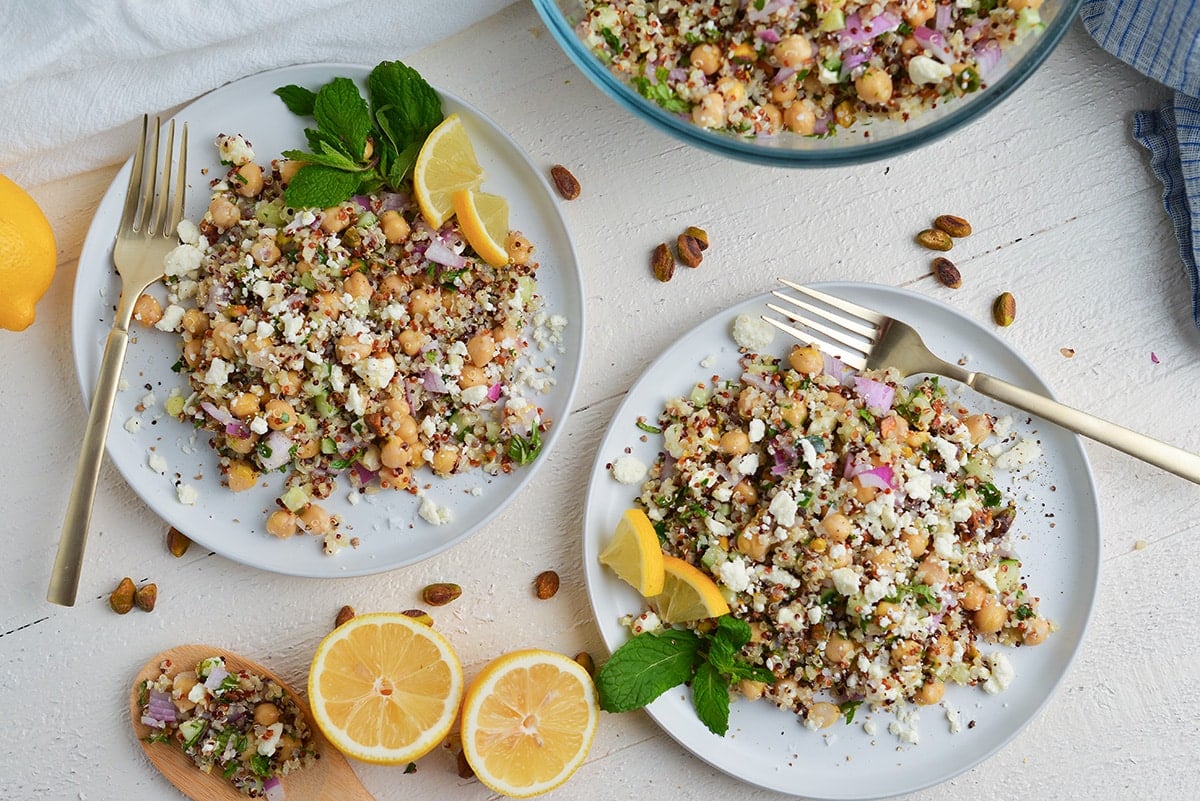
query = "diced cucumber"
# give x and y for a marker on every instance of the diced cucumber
(328, 446)
(192, 730)
(295, 499)
(206, 667)
(1008, 575)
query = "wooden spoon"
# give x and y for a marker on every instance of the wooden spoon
(328, 777)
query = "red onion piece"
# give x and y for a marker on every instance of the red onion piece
(362, 201)
(987, 56)
(853, 58)
(835, 368)
(877, 395)
(768, 35)
(784, 459)
(280, 447)
(273, 789)
(153, 722)
(494, 392)
(879, 477)
(438, 252)
(364, 475)
(677, 74)
(215, 677)
(393, 201)
(783, 75)
(759, 380)
(942, 17)
(433, 382)
(223, 416)
(935, 43)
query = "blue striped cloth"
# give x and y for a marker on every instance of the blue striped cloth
(1161, 39)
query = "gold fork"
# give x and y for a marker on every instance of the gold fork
(863, 338)
(144, 238)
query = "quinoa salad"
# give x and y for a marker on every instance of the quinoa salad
(353, 343)
(761, 67)
(235, 723)
(856, 524)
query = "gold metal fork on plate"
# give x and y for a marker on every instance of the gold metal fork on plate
(146, 234)
(863, 338)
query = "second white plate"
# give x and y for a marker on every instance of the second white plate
(1060, 551)
(387, 523)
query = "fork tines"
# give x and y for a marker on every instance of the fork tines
(850, 338)
(151, 208)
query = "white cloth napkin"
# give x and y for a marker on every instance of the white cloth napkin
(76, 75)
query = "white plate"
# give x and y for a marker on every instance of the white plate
(387, 523)
(1061, 556)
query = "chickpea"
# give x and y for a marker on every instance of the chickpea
(800, 118)
(327, 304)
(905, 653)
(223, 335)
(931, 692)
(481, 348)
(307, 449)
(370, 458)
(408, 430)
(423, 301)
(266, 713)
(350, 349)
(264, 252)
(282, 524)
(288, 169)
(887, 613)
(444, 460)
(248, 180)
(838, 649)
(881, 558)
(394, 285)
(837, 526)
(806, 360)
(910, 46)
(979, 426)
(793, 51)
(823, 714)
(706, 58)
(794, 415)
(147, 310)
(395, 452)
(287, 382)
(395, 228)
(990, 617)
(1036, 631)
(941, 649)
(191, 352)
(316, 520)
(732, 91)
(411, 341)
(735, 442)
(242, 445)
(1019, 5)
(916, 439)
(835, 399)
(710, 111)
(396, 408)
(285, 749)
(753, 546)
(181, 685)
(357, 286)
(918, 12)
(335, 219)
(280, 414)
(745, 493)
(195, 322)
(224, 212)
(396, 478)
(931, 571)
(241, 476)
(917, 543)
(863, 493)
(874, 85)
(519, 248)
(750, 689)
(471, 376)
(243, 405)
(747, 400)
(772, 116)
(973, 596)
(784, 92)
(505, 334)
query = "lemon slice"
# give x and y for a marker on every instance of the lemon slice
(635, 555)
(385, 688)
(688, 594)
(528, 721)
(484, 222)
(445, 164)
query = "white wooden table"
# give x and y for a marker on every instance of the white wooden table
(1067, 216)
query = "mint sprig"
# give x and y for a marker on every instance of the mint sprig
(403, 109)
(652, 663)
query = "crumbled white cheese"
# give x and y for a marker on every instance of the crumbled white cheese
(133, 424)
(189, 233)
(433, 512)
(708, 361)
(187, 494)
(1002, 673)
(182, 260)
(473, 396)
(745, 465)
(734, 574)
(269, 739)
(1020, 455)
(156, 462)
(646, 621)
(234, 149)
(845, 580)
(628, 469)
(752, 332)
(987, 578)
(758, 430)
(378, 373)
(923, 69)
(919, 487)
(952, 718)
(355, 402)
(783, 508)
(716, 527)
(172, 317)
(218, 373)
(259, 425)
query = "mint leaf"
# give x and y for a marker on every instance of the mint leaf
(341, 112)
(735, 631)
(298, 99)
(336, 160)
(403, 105)
(710, 696)
(645, 668)
(721, 653)
(318, 186)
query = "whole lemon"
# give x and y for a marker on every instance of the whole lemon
(27, 256)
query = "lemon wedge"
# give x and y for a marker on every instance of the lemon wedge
(688, 594)
(635, 555)
(445, 164)
(483, 219)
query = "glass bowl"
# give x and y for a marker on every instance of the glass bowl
(866, 140)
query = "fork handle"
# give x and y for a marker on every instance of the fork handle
(64, 578)
(1168, 457)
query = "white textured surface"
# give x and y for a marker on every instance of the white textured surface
(1066, 216)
